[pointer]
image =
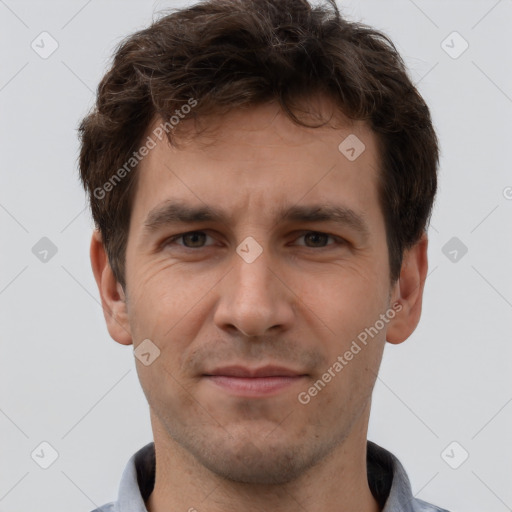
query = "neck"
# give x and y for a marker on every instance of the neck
(337, 482)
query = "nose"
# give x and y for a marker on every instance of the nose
(254, 297)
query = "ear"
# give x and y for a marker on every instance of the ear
(408, 291)
(113, 300)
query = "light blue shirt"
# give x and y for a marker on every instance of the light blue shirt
(387, 479)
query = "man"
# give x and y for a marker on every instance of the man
(261, 174)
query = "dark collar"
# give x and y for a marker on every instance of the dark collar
(380, 470)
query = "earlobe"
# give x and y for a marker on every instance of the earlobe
(408, 291)
(113, 300)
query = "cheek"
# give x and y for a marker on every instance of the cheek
(169, 307)
(161, 290)
(346, 299)
(166, 391)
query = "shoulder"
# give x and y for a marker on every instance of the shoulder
(423, 506)
(108, 507)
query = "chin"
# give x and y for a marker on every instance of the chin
(270, 464)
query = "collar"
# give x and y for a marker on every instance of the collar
(387, 479)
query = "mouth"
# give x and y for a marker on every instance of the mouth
(243, 381)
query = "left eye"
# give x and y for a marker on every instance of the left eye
(316, 235)
(197, 238)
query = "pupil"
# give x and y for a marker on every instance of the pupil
(316, 235)
(193, 235)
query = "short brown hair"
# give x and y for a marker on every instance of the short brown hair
(233, 53)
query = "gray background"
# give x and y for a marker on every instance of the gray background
(66, 382)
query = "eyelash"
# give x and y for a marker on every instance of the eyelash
(338, 240)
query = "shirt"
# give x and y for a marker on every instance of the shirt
(387, 480)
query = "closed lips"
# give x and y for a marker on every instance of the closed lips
(243, 372)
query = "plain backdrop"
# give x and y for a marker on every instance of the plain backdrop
(443, 395)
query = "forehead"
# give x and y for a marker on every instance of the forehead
(257, 157)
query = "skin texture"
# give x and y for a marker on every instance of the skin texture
(299, 304)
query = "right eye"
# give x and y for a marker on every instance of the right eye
(192, 237)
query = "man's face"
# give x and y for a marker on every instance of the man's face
(259, 289)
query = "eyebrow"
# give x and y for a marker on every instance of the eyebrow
(173, 212)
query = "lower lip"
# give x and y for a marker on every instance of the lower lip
(253, 386)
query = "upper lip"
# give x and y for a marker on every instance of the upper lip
(264, 371)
